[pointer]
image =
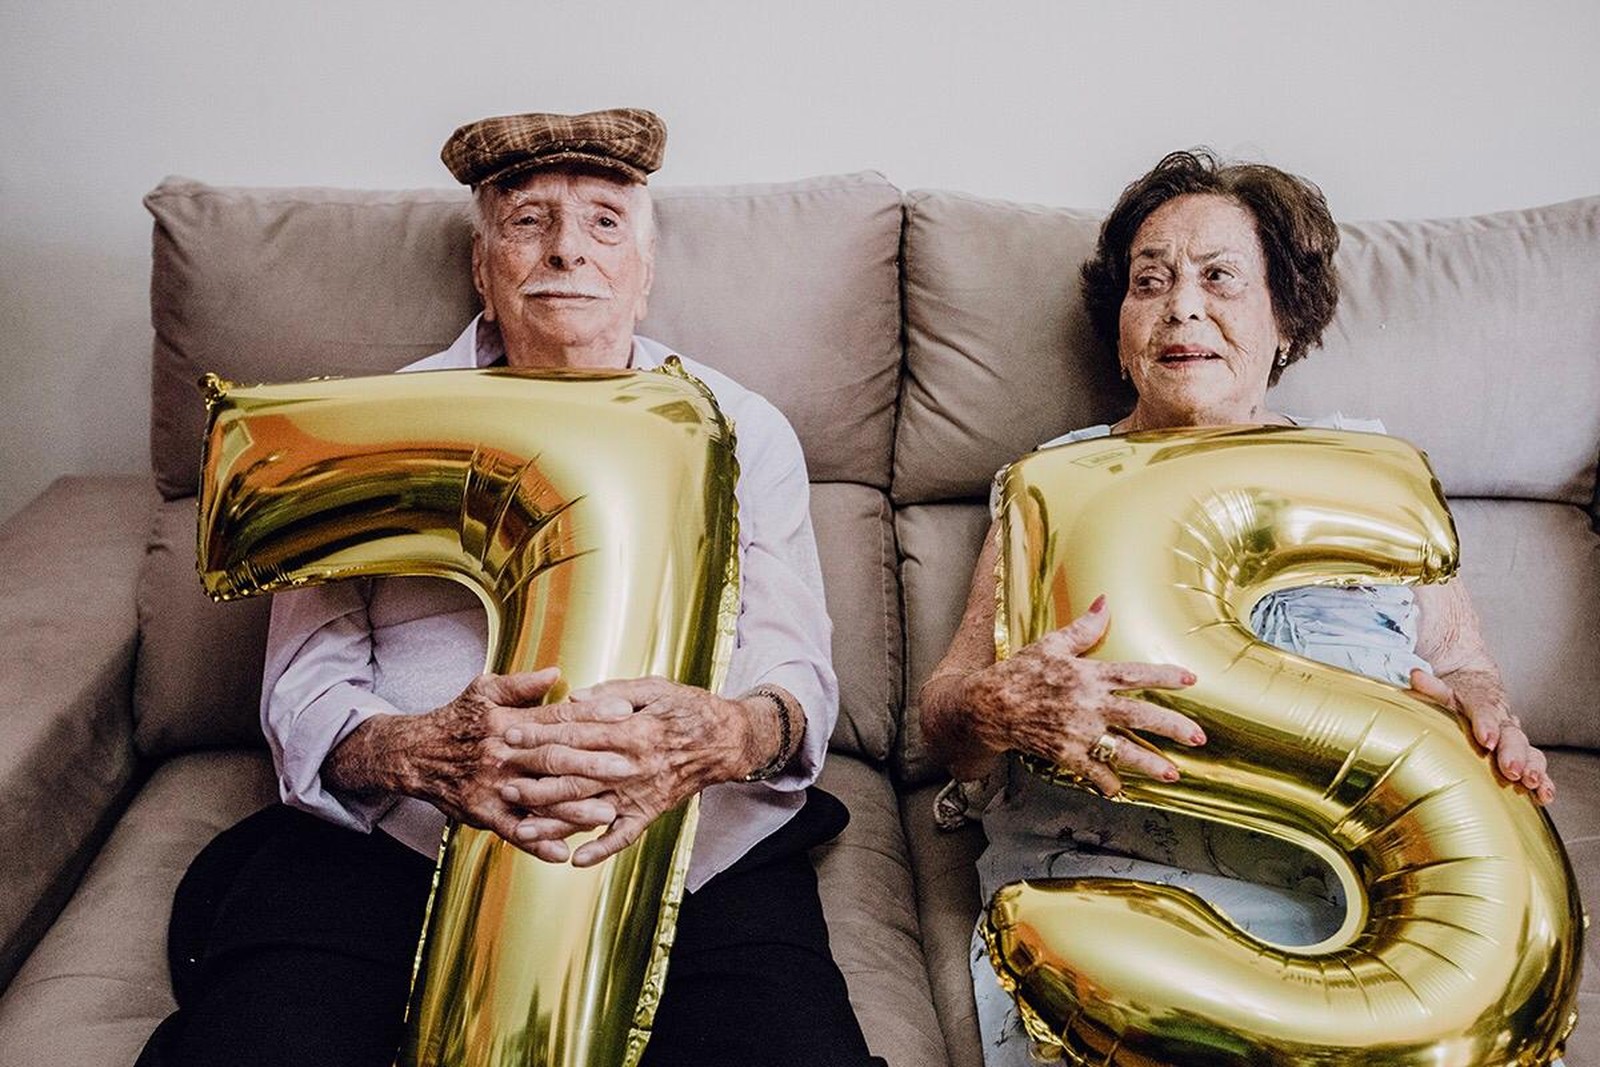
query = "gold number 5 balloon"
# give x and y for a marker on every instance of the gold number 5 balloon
(1461, 943)
(593, 514)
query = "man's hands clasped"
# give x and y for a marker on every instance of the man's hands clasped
(616, 755)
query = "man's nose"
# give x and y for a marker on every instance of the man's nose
(1185, 300)
(565, 250)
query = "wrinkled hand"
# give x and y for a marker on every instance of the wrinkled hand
(641, 746)
(1496, 729)
(1048, 701)
(459, 760)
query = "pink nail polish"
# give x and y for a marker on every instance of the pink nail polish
(1099, 603)
(1197, 738)
(1170, 774)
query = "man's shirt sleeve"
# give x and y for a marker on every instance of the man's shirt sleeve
(316, 689)
(784, 634)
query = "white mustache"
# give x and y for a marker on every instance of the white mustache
(558, 290)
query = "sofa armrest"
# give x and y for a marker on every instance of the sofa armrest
(69, 564)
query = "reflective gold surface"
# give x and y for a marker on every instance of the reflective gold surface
(1462, 941)
(594, 516)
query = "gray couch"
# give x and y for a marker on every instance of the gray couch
(917, 341)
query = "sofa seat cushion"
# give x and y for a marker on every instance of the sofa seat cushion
(948, 902)
(97, 985)
(865, 878)
(68, 563)
(944, 865)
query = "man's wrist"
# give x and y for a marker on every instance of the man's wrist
(789, 723)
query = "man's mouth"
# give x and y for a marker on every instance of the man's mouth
(562, 294)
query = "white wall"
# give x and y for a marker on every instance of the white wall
(1396, 109)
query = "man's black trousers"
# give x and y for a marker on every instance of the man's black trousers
(292, 942)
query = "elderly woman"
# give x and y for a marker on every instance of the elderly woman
(1208, 280)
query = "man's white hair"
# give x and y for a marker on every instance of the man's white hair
(485, 197)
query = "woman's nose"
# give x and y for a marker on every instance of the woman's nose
(1185, 300)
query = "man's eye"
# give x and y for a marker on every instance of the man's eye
(1219, 274)
(1146, 283)
(606, 222)
(524, 220)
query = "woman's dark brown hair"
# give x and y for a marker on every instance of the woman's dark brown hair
(1298, 237)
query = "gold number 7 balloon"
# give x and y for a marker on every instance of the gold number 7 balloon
(594, 516)
(1462, 940)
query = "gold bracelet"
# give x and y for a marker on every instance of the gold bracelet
(781, 760)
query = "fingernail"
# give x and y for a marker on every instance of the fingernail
(1197, 738)
(1170, 774)
(524, 832)
(580, 694)
(1099, 603)
(514, 736)
(508, 792)
(1189, 678)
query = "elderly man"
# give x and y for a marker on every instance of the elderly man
(293, 933)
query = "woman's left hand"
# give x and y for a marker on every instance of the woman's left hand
(1496, 729)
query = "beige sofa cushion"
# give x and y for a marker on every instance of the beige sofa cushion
(865, 880)
(66, 756)
(999, 352)
(1533, 569)
(791, 289)
(97, 985)
(197, 683)
(1475, 338)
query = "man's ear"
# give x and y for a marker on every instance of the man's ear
(477, 278)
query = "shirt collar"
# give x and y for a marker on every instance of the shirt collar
(480, 345)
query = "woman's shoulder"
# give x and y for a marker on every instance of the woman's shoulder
(1338, 420)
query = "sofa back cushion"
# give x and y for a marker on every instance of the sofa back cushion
(1474, 338)
(791, 289)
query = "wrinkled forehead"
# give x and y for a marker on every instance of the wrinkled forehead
(1198, 226)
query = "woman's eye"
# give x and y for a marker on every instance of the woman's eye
(1219, 274)
(1146, 283)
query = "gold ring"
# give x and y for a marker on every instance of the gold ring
(1105, 749)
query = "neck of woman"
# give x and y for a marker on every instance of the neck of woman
(1147, 416)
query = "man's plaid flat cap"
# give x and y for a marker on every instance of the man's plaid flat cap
(627, 141)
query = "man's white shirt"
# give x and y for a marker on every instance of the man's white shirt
(341, 653)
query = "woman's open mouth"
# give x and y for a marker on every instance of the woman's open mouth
(1185, 355)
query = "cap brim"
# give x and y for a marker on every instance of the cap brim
(626, 171)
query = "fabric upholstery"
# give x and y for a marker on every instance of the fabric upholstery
(947, 906)
(939, 544)
(865, 879)
(999, 352)
(1533, 570)
(97, 984)
(198, 680)
(1475, 339)
(67, 568)
(855, 540)
(282, 284)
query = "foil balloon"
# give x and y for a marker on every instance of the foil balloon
(1461, 943)
(593, 514)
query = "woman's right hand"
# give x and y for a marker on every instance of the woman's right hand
(1049, 701)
